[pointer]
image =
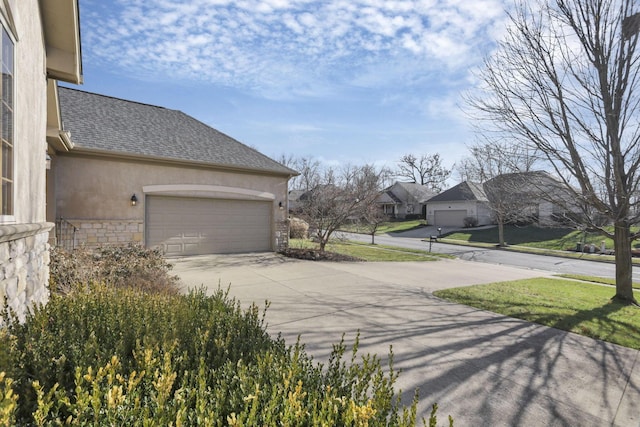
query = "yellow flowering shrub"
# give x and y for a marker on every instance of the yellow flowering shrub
(124, 357)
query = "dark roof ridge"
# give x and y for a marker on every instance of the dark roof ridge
(119, 99)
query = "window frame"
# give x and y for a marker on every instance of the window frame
(9, 217)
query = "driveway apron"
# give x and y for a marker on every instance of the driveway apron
(482, 368)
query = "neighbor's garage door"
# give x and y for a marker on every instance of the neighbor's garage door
(450, 218)
(195, 226)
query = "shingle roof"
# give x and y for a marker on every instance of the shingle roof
(103, 123)
(387, 197)
(464, 191)
(419, 192)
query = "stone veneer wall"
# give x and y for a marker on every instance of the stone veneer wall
(282, 235)
(95, 233)
(24, 266)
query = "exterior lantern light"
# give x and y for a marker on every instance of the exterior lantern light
(134, 200)
(280, 206)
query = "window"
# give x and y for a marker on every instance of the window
(6, 131)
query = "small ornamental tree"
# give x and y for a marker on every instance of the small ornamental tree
(338, 198)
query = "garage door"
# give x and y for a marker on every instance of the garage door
(450, 218)
(195, 226)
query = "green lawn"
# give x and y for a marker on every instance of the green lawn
(583, 308)
(560, 238)
(386, 227)
(367, 252)
(594, 279)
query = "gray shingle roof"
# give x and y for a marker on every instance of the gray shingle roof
(98, 122)
(419, 192)
(464, 191)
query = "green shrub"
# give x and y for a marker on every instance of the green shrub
(119, 356)
(119, 266)
(470, 221)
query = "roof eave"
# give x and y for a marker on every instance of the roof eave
(156, 159)
(57, 138)
(61, 27)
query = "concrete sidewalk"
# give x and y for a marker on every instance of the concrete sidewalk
(483, 369)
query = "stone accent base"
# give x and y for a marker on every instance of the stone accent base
(24, 266)
(75, 233)
(282, 235)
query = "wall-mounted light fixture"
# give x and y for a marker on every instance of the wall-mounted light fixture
(280, 205)
(134, 200)
(47, 161)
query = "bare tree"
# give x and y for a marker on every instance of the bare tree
(372, 218)
(502, 169)
(488, 159)
(425, 170)
(339, 197)
(309, 169)
(566, 81)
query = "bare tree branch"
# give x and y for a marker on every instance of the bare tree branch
(566, 82)
(424, 170)
(341, 196)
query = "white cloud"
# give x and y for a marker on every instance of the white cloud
(285, 48)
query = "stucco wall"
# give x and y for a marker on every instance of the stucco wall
(93, 190)
(485, 215)
(30, 114)
(24, 256)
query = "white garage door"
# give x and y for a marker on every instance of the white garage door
(450, 218)
(195, 226)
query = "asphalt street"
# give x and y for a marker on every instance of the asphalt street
(500, 257)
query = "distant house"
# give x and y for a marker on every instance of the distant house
(294, 200)
(40, 45)
(525, 196)
(405, 200)
(134, 172)
(536, 195)
(452, 206)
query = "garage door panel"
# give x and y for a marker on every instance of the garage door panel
(191, 226)
(450, 218)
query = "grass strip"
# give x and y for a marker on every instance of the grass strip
(371, 253)
(595, 279)
(582, 308)
(387, 227)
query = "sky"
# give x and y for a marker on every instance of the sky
(342, 81)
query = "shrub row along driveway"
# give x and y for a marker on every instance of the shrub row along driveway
(482, 368)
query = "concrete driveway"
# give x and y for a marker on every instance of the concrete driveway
(482, 368)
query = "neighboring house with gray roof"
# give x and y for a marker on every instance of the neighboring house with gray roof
(294, 200)
(141, 173)
(452, 206)
(405, 200)
(533, 196)
(529, 196)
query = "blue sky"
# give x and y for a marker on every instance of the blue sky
(344, 81)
